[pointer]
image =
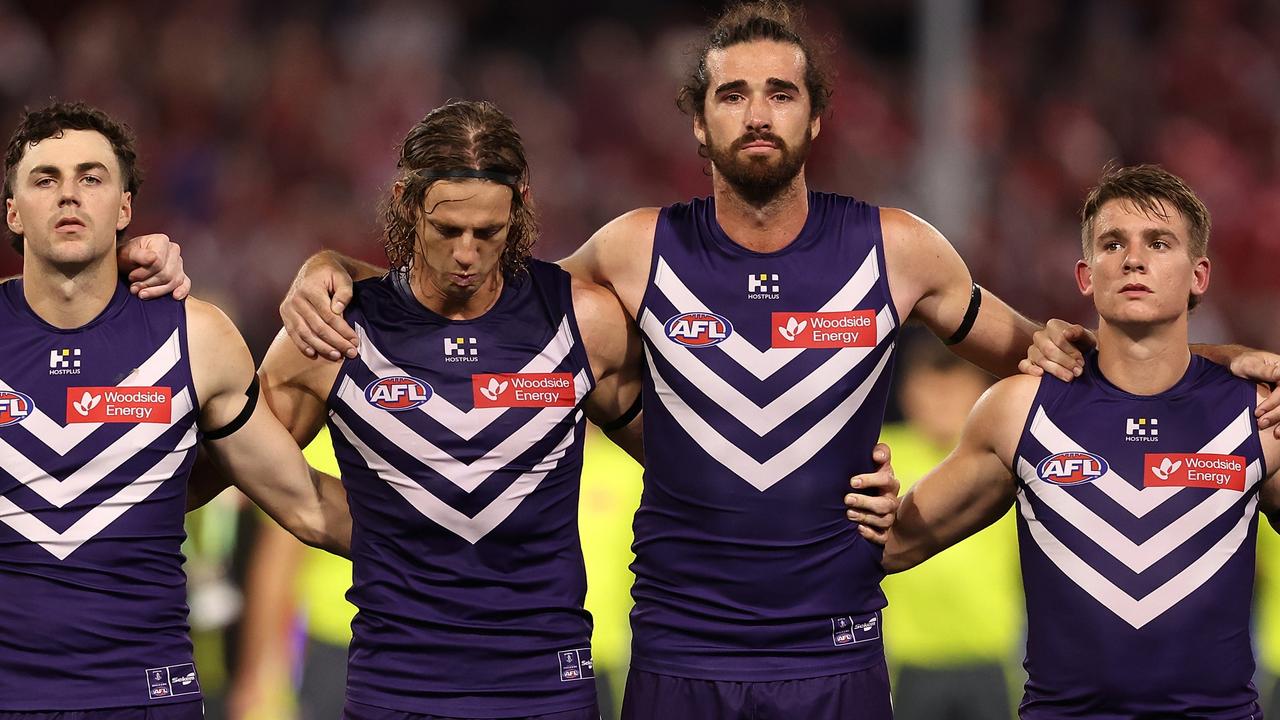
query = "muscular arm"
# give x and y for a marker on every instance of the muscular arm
(618, 256)
(613, 346)
(930, 283)
(261, 458)
(972, 488)
(1269, 494)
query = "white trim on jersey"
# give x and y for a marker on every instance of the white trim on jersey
(60, 492)
(61, 439)
(1138, 501)
(764, 475)
(471, 529)
(62, 544)
(761, 363)
(762, 420)
(467, 476)
(1138, 612)
(468, 423)
(1138, 557)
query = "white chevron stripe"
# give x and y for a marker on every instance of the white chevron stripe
(60, 492)
(1138, 612)
(765, 475)
(1137, 501)
(466, 424)
(763, 420)
(1136, 556)
(471, 529)
(466, 476)
(62, 439)
(761, 363)
(62, 544)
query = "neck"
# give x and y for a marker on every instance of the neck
(1144, 359)
(765, 227)
(450, 306)
(68, 297)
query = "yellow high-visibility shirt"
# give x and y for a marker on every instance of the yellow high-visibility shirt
(965, 604)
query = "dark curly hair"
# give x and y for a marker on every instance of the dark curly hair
(58, 117)
(459, 135)
(748, 21)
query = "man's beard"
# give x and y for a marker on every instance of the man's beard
(758, 179)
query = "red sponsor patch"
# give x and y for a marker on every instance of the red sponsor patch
(853, 328)
(523, 390)
(118, 404)
(1202, 470)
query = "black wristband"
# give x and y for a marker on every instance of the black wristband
(962, 332)
(240, 419)
(625, 418)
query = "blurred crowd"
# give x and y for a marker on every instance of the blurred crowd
(268, 130)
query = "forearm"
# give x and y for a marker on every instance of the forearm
(999, 338)
(357, 269)
(336, 515)
(1222, 355)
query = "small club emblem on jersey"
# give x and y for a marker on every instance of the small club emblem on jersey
(14, 407)
(763, 286)
(460, 349)
(1072, 468)
(1141, 429)
(398, 393)
(698, 329)
(64, 361)
(576, 665)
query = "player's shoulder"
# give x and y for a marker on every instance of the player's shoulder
(1008, 401)
(591, 300)
(631, 227)
(206, 319)
(901, 227)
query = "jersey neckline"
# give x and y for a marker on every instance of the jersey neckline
(399, 280)
(17, 297)
(1184, 383)
(812, 222)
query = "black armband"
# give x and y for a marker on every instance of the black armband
(962, 332)
(625, 418)
(242, 418)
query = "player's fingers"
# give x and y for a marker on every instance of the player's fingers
(870, 505)
(299, 318)
(1026, 367)
(1058, 350)
(879, 537)
(881, 454)
(1036, 356)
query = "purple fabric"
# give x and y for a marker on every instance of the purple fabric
(91, 514)
(860, 695)
(468, 571)
(356, 711)
(175, 711)
(1138, 600)
(746, 567)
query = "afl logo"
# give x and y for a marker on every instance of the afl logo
(1072, 468)
(14, 407)
(698, 329)
(397, 393)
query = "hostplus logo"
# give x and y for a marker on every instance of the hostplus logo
(460, 349)
(1141, 429)
(64, 361)
(763, 286)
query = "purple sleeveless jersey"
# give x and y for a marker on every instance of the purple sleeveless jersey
(460, 444)
(97, 437)
(1137, 522)
(765, 387)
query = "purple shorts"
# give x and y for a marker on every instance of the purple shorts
(859, 695)
(172, 711)
(358, 711)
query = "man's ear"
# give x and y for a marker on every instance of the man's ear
(1084, 278)
(11, 216)
(126, 211)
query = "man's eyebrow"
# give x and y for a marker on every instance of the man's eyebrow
(82, 167)
(780, 84)
(731, 86)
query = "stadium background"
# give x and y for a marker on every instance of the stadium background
(268, 130)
